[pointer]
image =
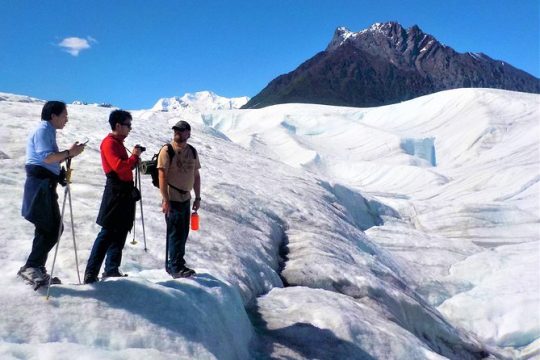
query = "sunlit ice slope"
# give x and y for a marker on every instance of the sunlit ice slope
(285, 268)
(461, 169)
(271, 235)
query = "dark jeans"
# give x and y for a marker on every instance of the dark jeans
(109, 242)
(177, 234)
(43, 242)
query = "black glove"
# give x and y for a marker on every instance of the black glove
(62, 176)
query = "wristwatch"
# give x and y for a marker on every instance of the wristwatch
(197, 198)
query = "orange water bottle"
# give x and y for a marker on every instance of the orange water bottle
(194, 221)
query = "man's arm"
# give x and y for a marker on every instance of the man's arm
(197, 190)
(58, 157)
(162, 175)
(116, 156)
(44, 142)
(163, 162)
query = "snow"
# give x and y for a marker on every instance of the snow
(498, 321)
(428, 45)
(377, 27)
(476, 56)
(313, 323)
(405, 231)
(344, 35)
(199, 101)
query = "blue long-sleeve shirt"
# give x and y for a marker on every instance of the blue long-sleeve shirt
(41, 143)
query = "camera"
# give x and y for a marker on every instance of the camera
(142, 148)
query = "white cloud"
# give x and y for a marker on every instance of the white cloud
(74, 45)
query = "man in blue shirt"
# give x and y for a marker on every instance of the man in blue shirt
(40, 200)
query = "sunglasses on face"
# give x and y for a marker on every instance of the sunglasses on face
(127, 124)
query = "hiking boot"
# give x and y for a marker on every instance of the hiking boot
(46, 277)
(184, 272)
(90, 279)
(114, 273)
(31, 274)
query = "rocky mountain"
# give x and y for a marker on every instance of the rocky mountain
(386, 64)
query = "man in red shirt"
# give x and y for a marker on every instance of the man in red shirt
(117, 210)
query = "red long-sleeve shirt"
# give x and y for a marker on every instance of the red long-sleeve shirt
(114, 157)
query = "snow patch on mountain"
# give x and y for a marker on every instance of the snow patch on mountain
(199, 102)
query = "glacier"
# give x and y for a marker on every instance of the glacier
(326, 232)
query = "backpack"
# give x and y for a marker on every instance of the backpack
(150, 167)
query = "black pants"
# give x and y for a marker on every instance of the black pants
(177, 234)
(43, 242)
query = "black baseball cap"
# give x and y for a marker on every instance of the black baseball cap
(181, 126)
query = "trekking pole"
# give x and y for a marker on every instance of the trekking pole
(73, 233)
(138, 175)
(57, 243)
(60, 226)
(134, 242)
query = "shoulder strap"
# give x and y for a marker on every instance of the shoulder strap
(193, 151)
(170, 151)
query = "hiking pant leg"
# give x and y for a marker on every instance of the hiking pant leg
(171, 219)
(101, 245)
(177, 233)
(43, 242)
(114, 253)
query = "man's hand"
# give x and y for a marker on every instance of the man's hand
(165, 206)
(137, 151)
(196, 204)
(76, 149)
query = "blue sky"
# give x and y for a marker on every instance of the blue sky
(141, 50)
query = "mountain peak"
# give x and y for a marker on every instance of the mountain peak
(199, 101)
(385, 27)
(385, 64)
(415, 29)
(388, 30)
(340, 36)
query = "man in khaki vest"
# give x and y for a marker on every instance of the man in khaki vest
(177, 177)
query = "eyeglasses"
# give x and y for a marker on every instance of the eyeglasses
(128, 125)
